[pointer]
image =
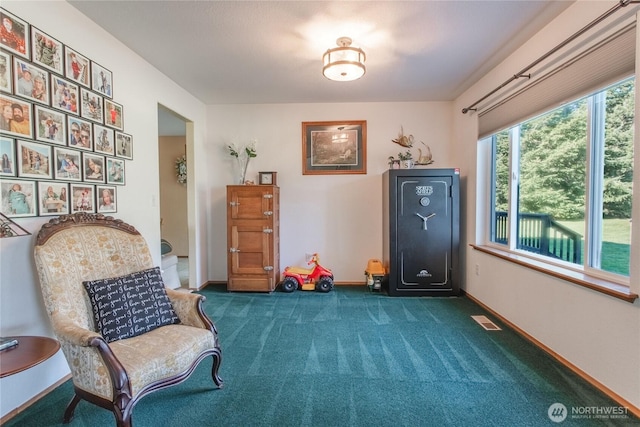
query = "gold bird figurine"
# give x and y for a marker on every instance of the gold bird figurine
(425, 159)
(405, 141)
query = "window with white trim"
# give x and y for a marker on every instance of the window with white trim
(561, 183)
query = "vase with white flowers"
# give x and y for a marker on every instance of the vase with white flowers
(243, 156)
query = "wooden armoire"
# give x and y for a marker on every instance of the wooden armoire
(253, 237)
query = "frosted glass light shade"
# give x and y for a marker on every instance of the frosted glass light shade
(344, 63)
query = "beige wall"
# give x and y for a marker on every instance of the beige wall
(173, 195)
(337, 216)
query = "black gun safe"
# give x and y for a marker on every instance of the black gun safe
(421, 235)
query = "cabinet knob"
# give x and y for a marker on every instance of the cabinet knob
(268, 196)
(268, 213)
(268, 268)
(267, 230)
(234, 250)
(234, 203)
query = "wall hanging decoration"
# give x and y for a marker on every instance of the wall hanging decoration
(34, 160)
(114, 114)
(18, 198)
(54, 197)
(101, 80)
(67, 164)
(404, 140)
(103, 140)
(47, 51)
(406, 159)
(82, 198)
(5, 72)
(93, 167)
(30, 81)
(61, 133)
(51, 125)
(91, 106)
(330, 148)
(15, 34)
(65, 95)
(7, 148)
(107, 201)
(426, 157)
(16, 117)
(77, 66)
(80, 132)
(124, 145)
(115, 171)
(181, 169)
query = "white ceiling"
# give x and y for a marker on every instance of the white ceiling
(256, 52)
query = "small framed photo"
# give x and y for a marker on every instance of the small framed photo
(67, 164)
(53, 198)
(124, 145)
(34, 160)
(93, 167)
(46, 51)
(8, 153)
(79, 134)
(18, 197)
(15, 117)
(51, 125)
(113, 115)
(115, 171)
(107, 201)
(5, 72)
(30, 81)
(76, 67)
(103, 140)
(15, 34)
(82, 198)
(65, 95)
(91, 105)
(101, 80)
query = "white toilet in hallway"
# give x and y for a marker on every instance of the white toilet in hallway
(170, 271)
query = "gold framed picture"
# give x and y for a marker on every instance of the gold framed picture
(338, 147)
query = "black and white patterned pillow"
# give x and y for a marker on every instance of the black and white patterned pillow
(131, 305)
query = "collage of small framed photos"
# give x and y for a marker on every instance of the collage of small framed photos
(62, 137)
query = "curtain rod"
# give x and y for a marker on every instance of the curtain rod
(621, 4)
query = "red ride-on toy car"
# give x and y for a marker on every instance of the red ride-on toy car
(308, 279)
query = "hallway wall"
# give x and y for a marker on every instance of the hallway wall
(173, 195)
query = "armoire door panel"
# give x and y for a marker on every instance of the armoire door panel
(253, 226)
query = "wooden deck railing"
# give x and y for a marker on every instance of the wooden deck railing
(541, 234)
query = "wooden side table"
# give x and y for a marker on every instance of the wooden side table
(29, 352)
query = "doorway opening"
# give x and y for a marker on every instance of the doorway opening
(172, 147)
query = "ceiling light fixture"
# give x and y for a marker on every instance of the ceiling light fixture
(343, 63)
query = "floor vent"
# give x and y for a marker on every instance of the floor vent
(486, 323)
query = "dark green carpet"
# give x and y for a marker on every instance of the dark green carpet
(354, 358)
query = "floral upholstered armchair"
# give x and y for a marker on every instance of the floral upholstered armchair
(123, 333)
